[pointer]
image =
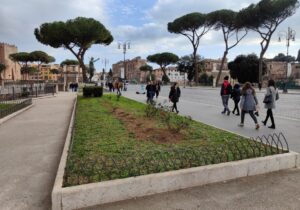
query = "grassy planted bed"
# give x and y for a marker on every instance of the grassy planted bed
(118, 138)
(5, 106)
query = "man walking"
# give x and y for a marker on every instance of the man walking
(226, 89)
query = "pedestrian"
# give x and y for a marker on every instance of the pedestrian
(75, 85)
(118, 87)
(71, 87)
(150, 88)
(259, 86)
(174, 96)
(226, 89)
(248, 103)
(157, 88)
(272, 93)
(236, 97)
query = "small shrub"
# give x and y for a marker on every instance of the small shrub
(97, 91)
(25, 92)
(179, 123)
(163, 112)
(151, 110)
(89, 91)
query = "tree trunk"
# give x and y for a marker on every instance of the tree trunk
(260, 66)
(81, 64)
(164, 72)
(196, 77)
(221, 68)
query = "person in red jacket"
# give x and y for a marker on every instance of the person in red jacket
(226, 89)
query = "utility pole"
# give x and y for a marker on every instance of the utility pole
(288, 35)
(125, 46)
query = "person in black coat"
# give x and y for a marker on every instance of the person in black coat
(174, 96)
(150, 88)
(236, 97)
(157, 89)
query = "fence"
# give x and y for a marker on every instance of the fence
(15, 97)
(135, 163)
(11, 106)
(26, 90)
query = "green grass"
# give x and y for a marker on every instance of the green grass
(104, 149)
(5, 106)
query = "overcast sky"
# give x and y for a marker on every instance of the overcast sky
(144, 23)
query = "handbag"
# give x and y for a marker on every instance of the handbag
(268, 99)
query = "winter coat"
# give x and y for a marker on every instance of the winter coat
(226, 88)
(248, 101)
(271, 91)
(174, 94)
(157, 87)
(236, 94)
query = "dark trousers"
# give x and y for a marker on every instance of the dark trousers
(251, 115)
(269, 114)
(236, 106)
(156, 93)
(174, 106)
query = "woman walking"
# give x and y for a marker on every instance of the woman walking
(272, 93)
(248, 103)
(236, 97)
(157, 89)
(174, 96)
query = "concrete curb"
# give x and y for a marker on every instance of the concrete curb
(57, 192)
(122, 189)
(43, 97)
(8, 117)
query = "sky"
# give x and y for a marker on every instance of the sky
(143, 23)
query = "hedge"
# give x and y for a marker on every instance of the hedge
(89, 91)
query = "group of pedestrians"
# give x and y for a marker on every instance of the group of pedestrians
(117, 85)
(73, 86)
(245, 99)
(152, 90)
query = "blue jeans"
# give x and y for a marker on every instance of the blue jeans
(225, 99)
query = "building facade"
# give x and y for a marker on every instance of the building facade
(131, 69)
(212, 67)
(279, 70)
(12, 71)
(45, 72)
(173, 74)
(276, 70)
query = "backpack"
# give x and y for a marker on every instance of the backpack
(227, 90)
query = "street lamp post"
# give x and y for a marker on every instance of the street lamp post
(125, 46)
(105, 61)
(288, 35)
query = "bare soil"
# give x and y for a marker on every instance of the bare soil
(146, 128)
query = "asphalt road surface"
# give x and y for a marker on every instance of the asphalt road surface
(204, 104)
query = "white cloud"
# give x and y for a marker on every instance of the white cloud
(148, 34)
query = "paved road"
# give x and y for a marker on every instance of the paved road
(204, 104)
(30, 150)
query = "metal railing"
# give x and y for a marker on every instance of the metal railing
(136, 163)
(26, 91)
(11, 106)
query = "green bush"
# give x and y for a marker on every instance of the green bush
(89, 91)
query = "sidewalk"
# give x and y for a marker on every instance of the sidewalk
(30, 149)
(274, 191)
